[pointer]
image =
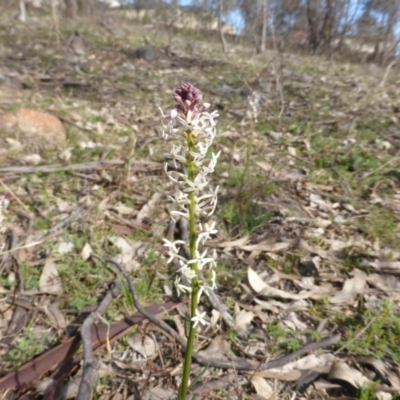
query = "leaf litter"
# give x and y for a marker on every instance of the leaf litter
(308, 245)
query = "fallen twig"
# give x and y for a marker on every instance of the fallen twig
(65, 222)
(89, 366)
(139, 166)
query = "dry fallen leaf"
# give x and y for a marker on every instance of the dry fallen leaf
(158, 393)
(384, 369)
(243, 320)
(122, 209)
(341, 371)
(267, 247)
(233, 244)
(144, 345)
(262, 288)
(148, 208)
(351, 288)
(122, 244)
(86, 252)
(218, 347)
(64, 206)
(49, 281)
(262, 387)
(293, 371)
(64, 247)
(387, 284)
(55, 316)
(386, 266)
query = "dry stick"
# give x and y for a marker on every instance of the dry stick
(234, 362)
(65, 222)
(144, 166)
(90, 367)
(15, 197)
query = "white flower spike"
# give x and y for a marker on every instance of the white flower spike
(194, 129)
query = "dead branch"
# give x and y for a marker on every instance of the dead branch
(90, 370)
(138, 166)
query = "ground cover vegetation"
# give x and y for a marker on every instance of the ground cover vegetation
(307, 216)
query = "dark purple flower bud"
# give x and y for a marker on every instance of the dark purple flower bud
(188, 97)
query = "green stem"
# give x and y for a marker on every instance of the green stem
(249, 148)
(195, 281)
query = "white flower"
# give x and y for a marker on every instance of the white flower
(177, 156)
(202, 260)
(186, 271)
(206, 232)
(181, 288)
(3, 206)
(173, 250)
(180, 199)
(199, 318)
(180, 214)
(197, 185)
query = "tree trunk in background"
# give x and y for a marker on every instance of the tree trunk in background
(220, 27)
(388, 47)
(313, 36)
(87, 8)
(327, 26)
(71, 9)
(321, 24)
(263, 45)
(347, 15)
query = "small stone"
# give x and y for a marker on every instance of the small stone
(28, 125)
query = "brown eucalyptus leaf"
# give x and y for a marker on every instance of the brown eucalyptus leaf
(341, 371)
(144, 345)
(49, 281)
(351, 288)
(262, 387)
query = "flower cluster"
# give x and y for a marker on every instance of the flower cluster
(253, 106)
(3, 206)
(193, 130)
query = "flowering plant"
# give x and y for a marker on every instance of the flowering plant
(3, 206)
(193, 130)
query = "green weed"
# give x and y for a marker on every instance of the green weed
(26, 347)
(373, 334)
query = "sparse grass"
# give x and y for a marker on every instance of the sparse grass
(373, 333)
(27, 346)
(230, 276)
(81, 280)
(243, 211)
(381, 225)
(281, 338)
